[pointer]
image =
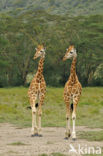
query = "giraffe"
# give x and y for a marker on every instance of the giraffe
(72, 92)
(37, 92)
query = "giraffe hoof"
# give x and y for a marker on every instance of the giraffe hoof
(69, 135)
(40, 135)
(66, 138)
(74, 139)
(33, 135)
(36, 134)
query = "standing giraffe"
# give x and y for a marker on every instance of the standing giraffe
(37, 91)
(72, 92)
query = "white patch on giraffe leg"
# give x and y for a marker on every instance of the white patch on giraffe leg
(39, 120)
(73, 132)
(39, 125)
(73, 115)
(34, 109)
(34, 129)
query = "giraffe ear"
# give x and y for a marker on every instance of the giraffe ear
(44, 48)
(35, 48)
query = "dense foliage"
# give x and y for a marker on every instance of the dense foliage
(19, 36)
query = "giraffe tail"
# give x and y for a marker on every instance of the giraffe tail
(29, 107)
(71, 107)
(36, 105)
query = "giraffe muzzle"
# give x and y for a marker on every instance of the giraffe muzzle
(64, 58)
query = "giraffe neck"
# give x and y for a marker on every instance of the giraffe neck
(73, 69)
(40, 66)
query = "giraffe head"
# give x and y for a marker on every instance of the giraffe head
(40, 51)
(70, 53)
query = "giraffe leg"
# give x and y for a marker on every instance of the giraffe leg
(39, 115)
(39, 121)
(34, 130)
(67, 133)
(74, 118)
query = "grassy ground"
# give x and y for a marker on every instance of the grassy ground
(17, 144)
(91, 136)
(13, 103)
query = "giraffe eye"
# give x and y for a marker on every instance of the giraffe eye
(71, 52)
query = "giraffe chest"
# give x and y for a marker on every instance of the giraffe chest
(37, 87)
(72, 90)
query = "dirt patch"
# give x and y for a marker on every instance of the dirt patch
(18, 142)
